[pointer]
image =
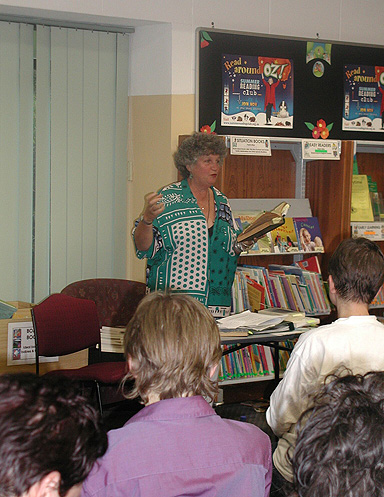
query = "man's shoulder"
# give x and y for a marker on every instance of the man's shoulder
(245, 431)
(341, 330)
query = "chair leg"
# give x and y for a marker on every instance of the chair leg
(98, 396)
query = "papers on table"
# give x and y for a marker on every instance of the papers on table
(248, 319)
(299, 319)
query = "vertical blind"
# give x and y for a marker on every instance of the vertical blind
(77, 214)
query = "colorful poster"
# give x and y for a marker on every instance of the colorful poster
(257, 91)
(363, 98)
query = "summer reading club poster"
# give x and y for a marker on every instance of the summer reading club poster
(257, 91)
(363, 98)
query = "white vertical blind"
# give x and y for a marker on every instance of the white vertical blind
(80, 168)
(88, 93)
(16, 160)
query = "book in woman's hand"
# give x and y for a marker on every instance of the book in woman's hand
(265, 222)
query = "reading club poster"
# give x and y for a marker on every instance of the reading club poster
(257, 91)
(363, 98)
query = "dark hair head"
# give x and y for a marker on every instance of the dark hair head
(173, 342)
(196, 146)
(357, 269)
(340, 450)
(45, 426)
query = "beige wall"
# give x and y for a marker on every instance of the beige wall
(155, 124)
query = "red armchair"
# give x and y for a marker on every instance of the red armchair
(116, 299)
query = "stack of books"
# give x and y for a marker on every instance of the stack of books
(112, 339)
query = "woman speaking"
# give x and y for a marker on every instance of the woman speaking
(187, 231)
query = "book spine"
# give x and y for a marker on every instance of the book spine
(276, 301)
(263, 359)
(269, 359)
(289, 293)
(298, 296)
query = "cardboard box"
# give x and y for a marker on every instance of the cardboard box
(23, 310)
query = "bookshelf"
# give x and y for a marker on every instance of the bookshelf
(286, 175)
(370, 161)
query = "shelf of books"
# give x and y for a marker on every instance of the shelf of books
(298, 287)
(252, 363)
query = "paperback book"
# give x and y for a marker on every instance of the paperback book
(284, 238)
(308, 234)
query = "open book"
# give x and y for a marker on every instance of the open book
(265, 222)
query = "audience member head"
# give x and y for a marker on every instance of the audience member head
(340, 449)
(50, 437)
(172, 345)
(195, 146)
(357, 270)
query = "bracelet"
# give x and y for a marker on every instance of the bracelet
(144, 221)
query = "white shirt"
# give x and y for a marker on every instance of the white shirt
(355, 343)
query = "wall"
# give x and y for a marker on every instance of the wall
(161, 93)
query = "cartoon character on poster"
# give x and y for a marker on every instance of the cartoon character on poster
(363, 98)
(257, 91)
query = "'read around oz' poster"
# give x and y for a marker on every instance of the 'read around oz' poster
(363, 98)
(257, 91)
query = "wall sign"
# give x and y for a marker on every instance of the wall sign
(250, 145)
(21, 345)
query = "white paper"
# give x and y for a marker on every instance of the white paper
(248, 319)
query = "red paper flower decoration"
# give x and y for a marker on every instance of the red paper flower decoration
(321, 130)
(204, 39)
(321, 124)
(316, 132)
(324, 133)
(209, 129)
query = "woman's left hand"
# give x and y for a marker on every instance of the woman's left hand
(244, 245)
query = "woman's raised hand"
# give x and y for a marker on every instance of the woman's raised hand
(153, 206)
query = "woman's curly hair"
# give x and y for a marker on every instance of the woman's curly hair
(195, 146)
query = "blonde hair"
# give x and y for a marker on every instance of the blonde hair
(173, 342)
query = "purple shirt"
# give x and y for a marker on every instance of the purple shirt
(181, 447)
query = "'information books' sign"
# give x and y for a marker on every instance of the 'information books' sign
(250, 145)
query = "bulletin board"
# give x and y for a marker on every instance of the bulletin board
(249, 84)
